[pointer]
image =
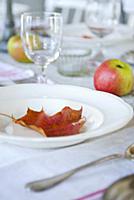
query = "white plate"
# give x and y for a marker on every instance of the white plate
(111, 111)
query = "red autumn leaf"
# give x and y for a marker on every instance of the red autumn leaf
(66, 122)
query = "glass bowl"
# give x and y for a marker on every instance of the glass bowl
(74, 62)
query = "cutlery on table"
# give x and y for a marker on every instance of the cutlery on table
(44, 184)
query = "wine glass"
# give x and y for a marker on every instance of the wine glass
(101, 17)
(41, 34)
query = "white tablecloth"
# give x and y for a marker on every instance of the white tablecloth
(20, 165)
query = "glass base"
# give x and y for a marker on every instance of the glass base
(41, 79)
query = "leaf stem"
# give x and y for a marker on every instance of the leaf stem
(6, 115)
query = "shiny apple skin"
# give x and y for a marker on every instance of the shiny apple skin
(15, 49)
(114, 76)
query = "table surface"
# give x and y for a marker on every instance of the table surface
(120, 140)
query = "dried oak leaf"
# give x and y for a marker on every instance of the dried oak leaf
(66, 122)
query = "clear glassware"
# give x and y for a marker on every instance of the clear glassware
(41, 34)
(102, 16)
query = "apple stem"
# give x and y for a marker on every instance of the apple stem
(119, 66)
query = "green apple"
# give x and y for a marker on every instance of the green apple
(114, 76)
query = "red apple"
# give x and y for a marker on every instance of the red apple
(114, 76)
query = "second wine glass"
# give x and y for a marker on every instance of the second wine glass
(41, 34)
(101, 17)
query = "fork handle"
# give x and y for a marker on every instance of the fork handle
(47, 183)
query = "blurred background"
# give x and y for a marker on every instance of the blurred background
(128, 6)
(72, 11)
(58, 5)
(33, 4)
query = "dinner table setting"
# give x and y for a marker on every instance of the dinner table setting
(67, 107)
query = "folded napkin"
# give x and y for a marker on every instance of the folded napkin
(37, 164)
(10, 73)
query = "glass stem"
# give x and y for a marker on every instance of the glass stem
(41, 77)
(100, 54)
